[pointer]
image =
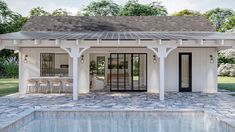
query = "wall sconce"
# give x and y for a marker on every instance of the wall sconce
(154, 59)
(82, 59)
(211, 59)
(26, 58)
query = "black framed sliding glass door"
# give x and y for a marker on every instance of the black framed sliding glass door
(128, 72)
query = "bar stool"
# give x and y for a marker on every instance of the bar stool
(56, 84)
(31, 84)
(43, 84)
(68, 85)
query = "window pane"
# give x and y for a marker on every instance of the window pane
(61, 65)
(101, 67)
(54, 64)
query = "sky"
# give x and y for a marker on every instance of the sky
(23, 6)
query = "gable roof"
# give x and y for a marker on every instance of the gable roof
(118, 23)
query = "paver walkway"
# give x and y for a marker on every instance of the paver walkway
(14, 105)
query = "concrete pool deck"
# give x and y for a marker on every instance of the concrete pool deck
(15, 106)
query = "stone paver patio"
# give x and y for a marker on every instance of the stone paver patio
(14, 106)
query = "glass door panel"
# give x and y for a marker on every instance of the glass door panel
(128, 72)
(121, 72)
(135, 71)
(185, 72)
(113, 72)
(142, 72)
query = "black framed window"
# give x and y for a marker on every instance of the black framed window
(54, 64)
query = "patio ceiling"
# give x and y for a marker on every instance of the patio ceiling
(49, 35)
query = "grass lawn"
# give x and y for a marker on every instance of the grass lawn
(8, 86)
(227, 83)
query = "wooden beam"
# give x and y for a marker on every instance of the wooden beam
(139, 42)
(222, 42)
(98, 42)
(160, 42)
(57, 42)
(202, 42)
(37, 42)
(2, 47)
(16, 42)
(77, 42)
(118, 43)
(180, 42)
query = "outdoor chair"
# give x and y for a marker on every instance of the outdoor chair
(56, 84)
(43, 85)
(68, 85)
(31, 86)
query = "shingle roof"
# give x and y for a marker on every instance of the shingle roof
(118, 23)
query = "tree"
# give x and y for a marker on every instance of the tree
(9, 22)
(187, 12)
(38, 11)
(218, 17)
(134, 8)
(60, 12)
(101, 8)
(230, 24)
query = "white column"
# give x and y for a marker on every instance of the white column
(75, 78)
(20, 72)
(162, 77)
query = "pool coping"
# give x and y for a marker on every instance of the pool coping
(211, 113)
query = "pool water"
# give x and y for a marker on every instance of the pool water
(124, 122)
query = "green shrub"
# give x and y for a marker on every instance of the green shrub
(11, 70)
(2, 70)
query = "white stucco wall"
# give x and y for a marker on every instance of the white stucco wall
(32, 67)
(204, 73)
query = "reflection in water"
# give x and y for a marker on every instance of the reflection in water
(125, 122)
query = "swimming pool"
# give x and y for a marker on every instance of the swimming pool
(114, 121)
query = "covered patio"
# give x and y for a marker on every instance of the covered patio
(78, 45)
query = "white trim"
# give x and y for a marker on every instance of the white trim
(222, 42)
(75, 52)
(57, 42)
(158, 49)
(162, 78)
(67, 49)
(77, 42)
(37, 42)
(153, 49)
(202, 42)
(118, 42)
(180, 42)
(98, 42)
(75, 78)
(83, 49)
(171, 48)
(2, 47)
(162, 52)
(12, 48)
(16, 42)
(160, 42)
